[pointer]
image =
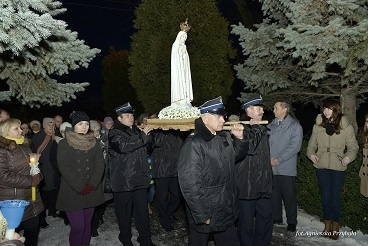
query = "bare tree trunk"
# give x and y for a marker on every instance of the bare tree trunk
(348, 104)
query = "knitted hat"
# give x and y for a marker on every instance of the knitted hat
(78, 116)
(93, 124)
(64, 126)
(47, 120)
(233, 117)
(35, 122)
(108, 119)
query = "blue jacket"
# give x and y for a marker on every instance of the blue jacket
(285, 143)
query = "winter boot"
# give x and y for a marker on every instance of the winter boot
(328, 228)
(335, 230)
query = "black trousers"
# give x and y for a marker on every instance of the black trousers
(49, 201)
(31, 230)
(124, 203)
(168, 197)
(284, 190)
(255, 223)
(49, 198)
(98, 216)
(225, 238)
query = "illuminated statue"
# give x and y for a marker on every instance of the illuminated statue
(181, 80)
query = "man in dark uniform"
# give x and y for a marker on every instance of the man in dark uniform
(206, 174)
(254, 180)
(164, 160)
(129, 175)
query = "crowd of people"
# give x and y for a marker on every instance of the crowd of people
(234, 183)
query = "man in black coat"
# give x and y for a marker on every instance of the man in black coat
(206, 174)
(254, 180)
(164, 160)
(129, 175)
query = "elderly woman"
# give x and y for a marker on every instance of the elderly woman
(15, 178)
(35, 126)
(81, 165)
(331, 148)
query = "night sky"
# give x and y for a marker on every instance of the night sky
(101, 24)
(109, 23)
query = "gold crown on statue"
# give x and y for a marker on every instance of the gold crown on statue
(184, 26)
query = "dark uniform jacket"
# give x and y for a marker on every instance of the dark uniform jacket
(128, 164)
(81, 163)
(165, 154)
(254, 173)
(15, 178)
(206, 175)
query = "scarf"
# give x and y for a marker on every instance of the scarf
(79, 141)
(17, 140)
(330, 130)
(45, 143)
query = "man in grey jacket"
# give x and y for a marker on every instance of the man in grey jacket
(286, 136)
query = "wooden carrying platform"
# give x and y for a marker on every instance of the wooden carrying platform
(175, 124)
(187, 124)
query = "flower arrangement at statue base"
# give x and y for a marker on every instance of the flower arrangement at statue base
(174, 112)
(176, 118)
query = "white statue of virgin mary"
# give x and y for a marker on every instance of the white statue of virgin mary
(181, 80)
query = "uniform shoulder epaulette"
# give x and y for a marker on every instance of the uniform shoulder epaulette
(192, 134)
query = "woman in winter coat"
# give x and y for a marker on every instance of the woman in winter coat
(15, 178)
(331, 148)
(81, 165)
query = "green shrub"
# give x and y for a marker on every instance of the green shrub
(354, 206)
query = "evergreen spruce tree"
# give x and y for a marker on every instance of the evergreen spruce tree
(35, 48)
(157, 24)
(307, 51)
(117, 89)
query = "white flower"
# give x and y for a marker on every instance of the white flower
(179, 113)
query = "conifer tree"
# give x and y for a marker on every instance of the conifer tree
(157, 24)
(307, 51)
(117, 89)
(35, 49)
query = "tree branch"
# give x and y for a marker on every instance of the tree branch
(305, 93)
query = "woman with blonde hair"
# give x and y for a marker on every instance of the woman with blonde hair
(15, 178)
(331, 148)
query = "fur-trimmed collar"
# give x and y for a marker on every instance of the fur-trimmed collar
(201, 129)
(119, 125)
(80, 141)
(344, 122)
(7, 143)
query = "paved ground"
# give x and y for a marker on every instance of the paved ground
(57, 233)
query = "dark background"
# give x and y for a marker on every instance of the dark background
(109, 23)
